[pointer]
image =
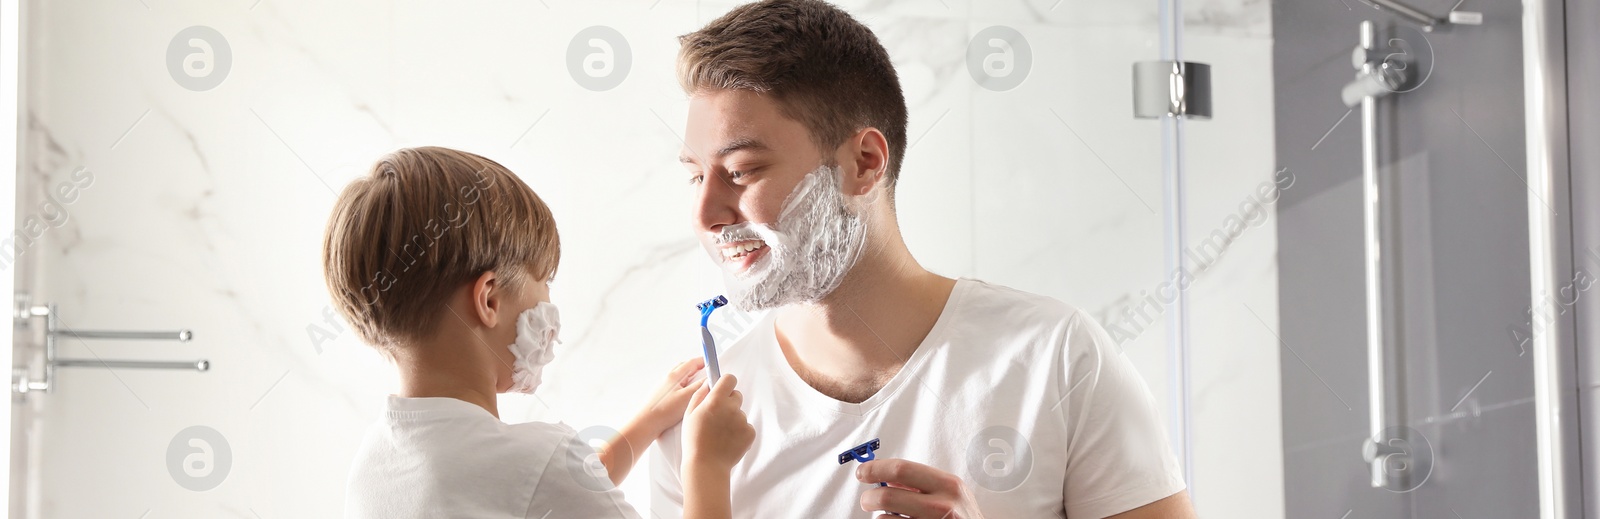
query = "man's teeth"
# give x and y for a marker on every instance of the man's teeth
(741, 249)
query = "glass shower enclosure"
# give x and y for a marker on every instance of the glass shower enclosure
(1425, 365)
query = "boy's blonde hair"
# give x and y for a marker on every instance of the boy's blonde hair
(424, 221)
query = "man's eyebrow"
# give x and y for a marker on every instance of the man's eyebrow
(740, 144)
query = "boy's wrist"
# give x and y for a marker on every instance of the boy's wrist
(650, 423)
(707, 463)
(708, 468)
(624, 452)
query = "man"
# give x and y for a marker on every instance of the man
(985, 401)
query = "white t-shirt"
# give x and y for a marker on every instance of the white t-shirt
(1025, 398)
(443, 457)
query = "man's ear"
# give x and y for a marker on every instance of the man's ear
(487, 299)
(868, 151)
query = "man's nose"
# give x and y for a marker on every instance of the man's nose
(717, 204)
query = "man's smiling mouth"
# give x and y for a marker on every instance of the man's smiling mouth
(743, 252)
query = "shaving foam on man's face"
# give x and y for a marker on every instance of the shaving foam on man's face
(802, 257)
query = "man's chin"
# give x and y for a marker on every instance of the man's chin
(752, 297)
(757, 292)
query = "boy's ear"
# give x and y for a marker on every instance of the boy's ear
(487, 299)
(868, 152)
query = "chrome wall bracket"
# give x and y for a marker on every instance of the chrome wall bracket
(1171, 89)
(1387, 61)
(1427, 21)
(23, 381)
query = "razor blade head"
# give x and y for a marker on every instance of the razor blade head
(715, 302)
(862, 453)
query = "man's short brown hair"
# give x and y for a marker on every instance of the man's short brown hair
(826, 69)
(419, 225)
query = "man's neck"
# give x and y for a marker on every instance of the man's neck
(856, 339)
(428, 370)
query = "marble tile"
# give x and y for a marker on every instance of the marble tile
(1067, 182)
(1235, 390)
(1238, 18)
(934, 199)
(1230, 17)
(871, 12)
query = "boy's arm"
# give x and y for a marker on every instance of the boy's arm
(622, 453)
(566, 488)
(665, 410)
(706, 494)
(716, 437)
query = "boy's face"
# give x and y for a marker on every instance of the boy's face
(515, 302)
(744, 157)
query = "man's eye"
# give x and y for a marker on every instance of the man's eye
(737, 174)
(696, 179)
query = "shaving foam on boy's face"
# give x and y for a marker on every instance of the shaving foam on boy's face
(801, 258)
(538, 331)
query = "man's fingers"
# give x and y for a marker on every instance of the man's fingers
(908, 503)
(908, 474)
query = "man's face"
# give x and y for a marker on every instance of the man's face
(743, 157)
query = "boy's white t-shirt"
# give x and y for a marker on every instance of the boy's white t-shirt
(1025, 398)
(443, 457)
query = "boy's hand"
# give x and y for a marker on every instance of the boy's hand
(664, 410)
(716, 432)
(667, 404)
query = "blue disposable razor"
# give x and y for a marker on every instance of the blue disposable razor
(862, 453)
(708, 345)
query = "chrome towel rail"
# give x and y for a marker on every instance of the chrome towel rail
(22, 378)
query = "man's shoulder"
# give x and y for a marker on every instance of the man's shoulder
(1008, 305)
(1013, 323)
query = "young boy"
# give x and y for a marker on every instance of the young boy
(442, 260)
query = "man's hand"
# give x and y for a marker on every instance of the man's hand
(915, 490)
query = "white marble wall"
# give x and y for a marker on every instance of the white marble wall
(207, 207)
